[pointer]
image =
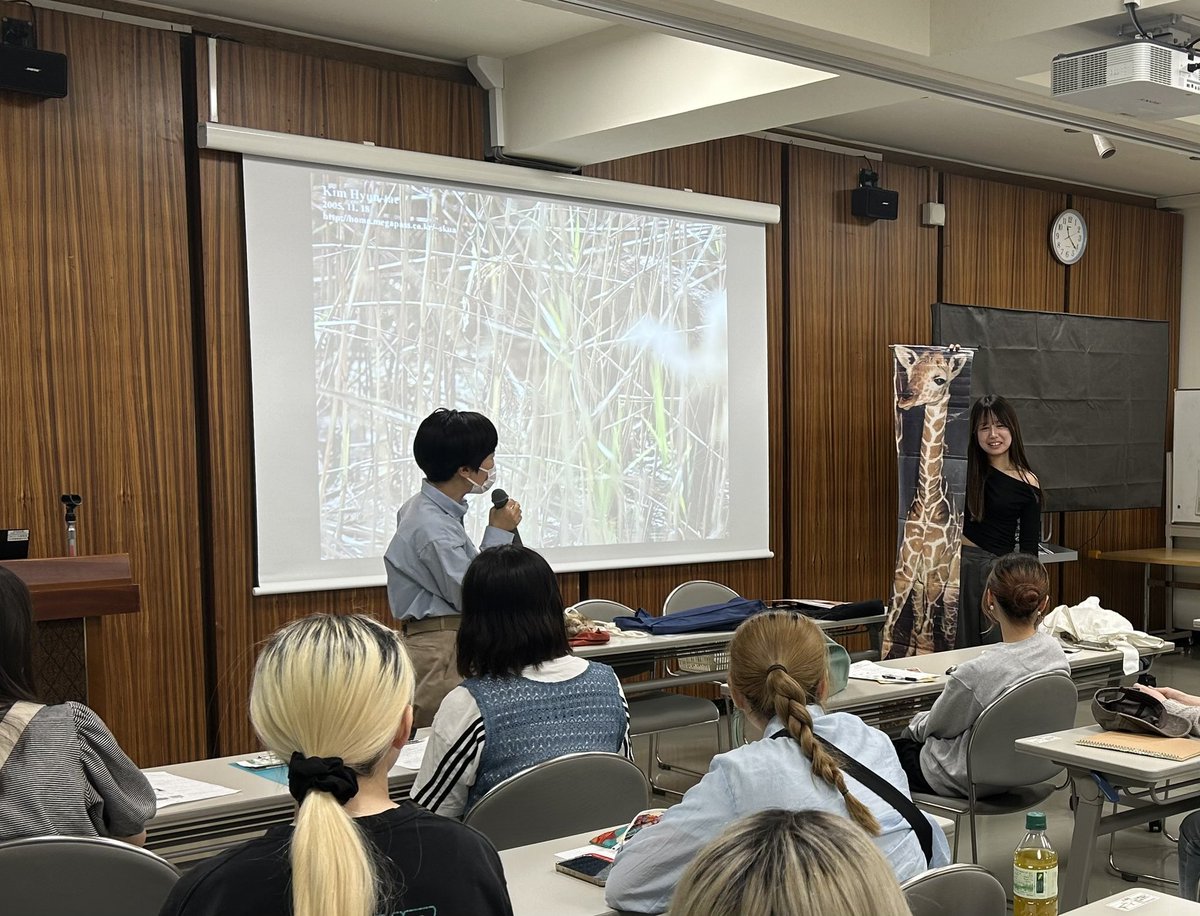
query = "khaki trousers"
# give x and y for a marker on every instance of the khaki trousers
(433, 656)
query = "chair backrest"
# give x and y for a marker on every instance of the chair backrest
(955, 889)
(697, 593)
(68, 875)
(561, 797)
(602, 609)
(1037, 705)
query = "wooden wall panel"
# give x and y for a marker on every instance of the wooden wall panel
(277, 90)
(996, 252)
(747, 168)
(856, 287)
(96, 354)
(1131, 269)
(995, 248)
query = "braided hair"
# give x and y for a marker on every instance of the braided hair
(777, 663)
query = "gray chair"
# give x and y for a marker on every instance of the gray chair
(955, 889)
(1038, 705)
(561, 797)
(68, 875)
(652, 711)
(684, 597)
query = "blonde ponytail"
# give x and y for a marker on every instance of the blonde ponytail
(330, 686)
(777, 663)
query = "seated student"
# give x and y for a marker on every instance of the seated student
(61, 771)
(1187, 707)
(777, 862)
(777, 677)
(526, 699)
(933, 749)
(332, 696)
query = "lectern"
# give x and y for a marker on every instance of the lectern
(87, 589)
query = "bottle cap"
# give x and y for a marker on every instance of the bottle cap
(1035, 820)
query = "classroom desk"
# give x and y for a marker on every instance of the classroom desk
(1156, 556)
(189, 833)
(644, 650)
(537, 889)
(1141, 901)
(1098, 776)
(889, 707)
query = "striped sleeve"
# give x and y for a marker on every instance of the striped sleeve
(626, 746)
(451, 762)
(125, 799)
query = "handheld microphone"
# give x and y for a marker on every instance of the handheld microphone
(499, 501)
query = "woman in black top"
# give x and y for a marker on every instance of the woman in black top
(1004, 510)
(332, 696)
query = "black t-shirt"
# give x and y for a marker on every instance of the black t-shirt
(438, 866)
(1009, 505)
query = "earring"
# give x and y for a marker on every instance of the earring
(991, 607)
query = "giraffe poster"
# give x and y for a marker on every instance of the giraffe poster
(932, 388)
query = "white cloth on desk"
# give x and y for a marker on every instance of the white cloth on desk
(1090, 624)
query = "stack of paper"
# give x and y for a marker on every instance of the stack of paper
(170, 789)
(869, 671)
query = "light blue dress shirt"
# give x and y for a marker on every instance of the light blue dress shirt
(429, 555)
(766, 774)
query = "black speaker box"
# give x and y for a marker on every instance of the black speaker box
(41, 73)
(875, 203)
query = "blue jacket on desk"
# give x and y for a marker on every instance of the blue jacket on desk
(760, 775)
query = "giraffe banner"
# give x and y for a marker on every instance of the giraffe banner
(932, 388)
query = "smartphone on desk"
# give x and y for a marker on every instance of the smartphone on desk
(591, 868)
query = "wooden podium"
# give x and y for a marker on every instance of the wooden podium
(87, 589)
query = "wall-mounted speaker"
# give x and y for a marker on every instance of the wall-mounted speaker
(875, 203)
(36, 72)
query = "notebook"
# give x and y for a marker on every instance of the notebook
(1148, 745)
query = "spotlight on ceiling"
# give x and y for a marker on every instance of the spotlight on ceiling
(1104, 149)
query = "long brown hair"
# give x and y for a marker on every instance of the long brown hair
(777, 663)
(992, 406)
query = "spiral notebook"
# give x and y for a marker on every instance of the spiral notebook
(1147, 745)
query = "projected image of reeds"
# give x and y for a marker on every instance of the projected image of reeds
(594, 338)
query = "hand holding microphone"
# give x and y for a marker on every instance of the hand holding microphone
(505, 514)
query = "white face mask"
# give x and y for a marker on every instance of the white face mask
(477, 488)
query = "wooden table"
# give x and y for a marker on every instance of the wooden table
(1156, 556)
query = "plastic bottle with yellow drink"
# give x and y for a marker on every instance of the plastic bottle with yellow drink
(1035, 871)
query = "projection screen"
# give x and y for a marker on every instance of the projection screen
(620, 351)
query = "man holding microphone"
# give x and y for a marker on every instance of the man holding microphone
(430, 552)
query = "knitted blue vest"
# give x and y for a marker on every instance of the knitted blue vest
(528, 722)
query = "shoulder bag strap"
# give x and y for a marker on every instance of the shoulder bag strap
(13, 726)
(885, 790)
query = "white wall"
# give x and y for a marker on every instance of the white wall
(1187, 601)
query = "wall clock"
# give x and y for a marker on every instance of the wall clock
(1068, 236)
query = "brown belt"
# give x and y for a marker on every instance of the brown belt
(430, 624)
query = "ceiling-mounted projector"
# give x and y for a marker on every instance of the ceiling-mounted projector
(1140, 79)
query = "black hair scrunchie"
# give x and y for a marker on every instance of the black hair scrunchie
(324, 774)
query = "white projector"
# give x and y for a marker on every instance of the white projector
(1139, 79)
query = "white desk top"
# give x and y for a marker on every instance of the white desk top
(859, 694)
(619, 646)
(254, 792)
(1129, 769)
(536, 888)
(1141, 901)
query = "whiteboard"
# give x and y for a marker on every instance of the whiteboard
(1185, 475)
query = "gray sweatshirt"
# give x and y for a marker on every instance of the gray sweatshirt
(946, 728)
